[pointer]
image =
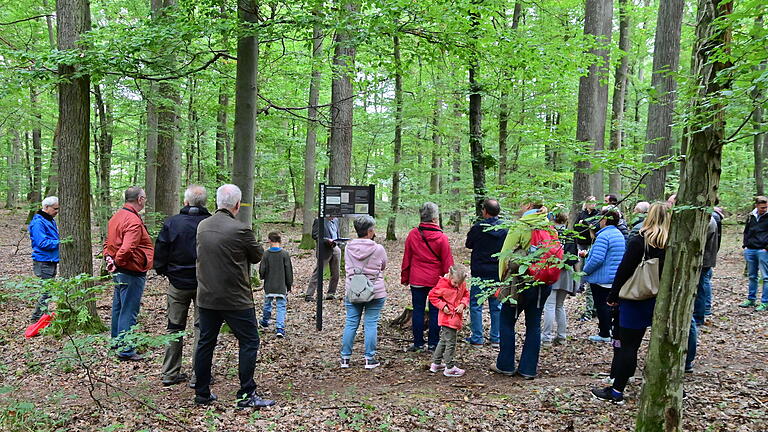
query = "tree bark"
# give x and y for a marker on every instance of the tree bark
(661, 398)
(189, 164)
(619, 94)
(666, 58)
(398, 142)
(37, 149)
(476, 114)
(758, 140)
(14, 159)
(437, 143)
(456, 168)
(504, 109)
(342, 98)
(222, 137)
(104, 157)
(150, 171)
(310, 149)
(246, 91)
(593, 100)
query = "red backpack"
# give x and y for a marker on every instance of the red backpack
(545, 268)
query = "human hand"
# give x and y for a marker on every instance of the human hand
(460, 308)
(583, 253)
(611, 304)
(446, 309)
(111, 267)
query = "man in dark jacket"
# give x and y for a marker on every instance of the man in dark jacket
(175, 256)
(755, 243)
(226, 248)
(128, 252)
(331, 257)
(485, 242)
(44, 235)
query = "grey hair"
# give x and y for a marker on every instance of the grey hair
(429, 212)
(642, 207)
(132, 194)
(227, 196)
(196, 195)
(362, 224)
(50, 201)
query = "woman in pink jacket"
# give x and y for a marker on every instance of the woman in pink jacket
(365, 254)
(451, 297)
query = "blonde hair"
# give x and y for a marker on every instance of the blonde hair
(656, 225)
(589, 200)
(457, 272)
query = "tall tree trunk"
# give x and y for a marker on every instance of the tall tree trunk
(310, 149)
(456, 168)
(504, 108)
(666, 58)
(398, 142)
(593, 100)
(619, 94)
(476, 113)
(168, 151)
(104, 157)
(37, 149)
(437, 143)
(73, 19)
(191, 133)
(222, 137)
(758, 140)
(245, 108)
(150, 170)
(661, 398)
(14, 160)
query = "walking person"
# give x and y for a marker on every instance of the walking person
(754, 243)
(451, 297)
(331, 258)
(226, 248)
(485, 239)
(129, 252)
(635, 316)
(427, 256)
(276, 272)
(586, 225)
(600, 268)
(175, 258)
(363, 256)
(44, 235)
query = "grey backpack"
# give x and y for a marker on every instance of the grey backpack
(359, 287)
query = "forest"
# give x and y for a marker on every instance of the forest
(450, 102)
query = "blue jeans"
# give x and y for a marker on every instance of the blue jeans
(370, 312)
(419, 301)
(703, 291)
(693, 341)
(126, 301)
(532, 300)
(280, 303)
(476, 315)
(757, 259)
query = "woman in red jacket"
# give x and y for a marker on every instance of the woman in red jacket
(427, 256)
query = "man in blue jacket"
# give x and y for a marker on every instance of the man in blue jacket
(485, 242)
(175, 257)
(45, 247)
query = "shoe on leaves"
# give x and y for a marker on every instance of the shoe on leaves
(205, 400)
(608, 395)
(598, 338)
(762, 307)
(254, 401)
(434, 367)
(453, 372)
(344, 363)
(178, 379)
(372, 363)
(747, 303)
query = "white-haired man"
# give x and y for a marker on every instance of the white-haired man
(639, 214)
(45, 247)
(175, 257)
(225, 250)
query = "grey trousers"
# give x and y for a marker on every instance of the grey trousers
(178, 311)
(43, 270)
(334, 261)
(446, 348)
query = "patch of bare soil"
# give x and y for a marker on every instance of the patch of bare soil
(727, 392)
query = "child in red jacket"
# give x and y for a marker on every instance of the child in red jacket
(451, 297)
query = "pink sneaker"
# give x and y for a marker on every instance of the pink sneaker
(453, 372)
(434, 367)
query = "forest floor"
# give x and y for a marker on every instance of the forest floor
(727, 392)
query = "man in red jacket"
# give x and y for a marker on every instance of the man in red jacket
(128, 251)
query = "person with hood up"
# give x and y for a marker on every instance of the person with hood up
(365, 254)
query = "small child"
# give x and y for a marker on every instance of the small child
(276, 273)
(451, 297)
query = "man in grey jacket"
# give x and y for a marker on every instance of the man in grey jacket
(225, 250)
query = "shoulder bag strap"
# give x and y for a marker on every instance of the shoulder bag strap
(427, 243)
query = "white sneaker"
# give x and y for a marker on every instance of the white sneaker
(344, 363)
(434, 367)
(598, 338)
(607, 381)
(371, 363)
(453, 372)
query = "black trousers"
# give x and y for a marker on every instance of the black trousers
(600, 295)
(625, 357)
(243, 325)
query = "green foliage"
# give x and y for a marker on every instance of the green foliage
(18, 415)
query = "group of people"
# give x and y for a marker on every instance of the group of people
(207, 259)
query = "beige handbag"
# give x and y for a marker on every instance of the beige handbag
(644, 283)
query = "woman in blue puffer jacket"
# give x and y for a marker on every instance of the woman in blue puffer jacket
(600, 268)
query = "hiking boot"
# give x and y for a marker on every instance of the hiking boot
(414, 348)
(131, 358)
(205, 400)
(178, 379)
(254, 401)
(688, 368)
(264, 323)
(495, 369)
(330, 297)
(372, 363)
(309, 298)
(598, 338)
(453, 372)
(607, 394)
(344, 363)
(434, 367)
(280, 333)
(747, 303)
(761, 307)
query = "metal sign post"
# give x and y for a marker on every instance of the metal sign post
(337, 201)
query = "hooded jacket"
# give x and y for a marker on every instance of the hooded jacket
(371, 258)
(175, 248)
(712, 245)
(756, 231)
(605, 256)
(128, 243)
(446, 294)
(44, 235)
(420, 266)
(485, 242)
(519, 236)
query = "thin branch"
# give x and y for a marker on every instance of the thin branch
(25, 19)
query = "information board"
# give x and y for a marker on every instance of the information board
(346, 201)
